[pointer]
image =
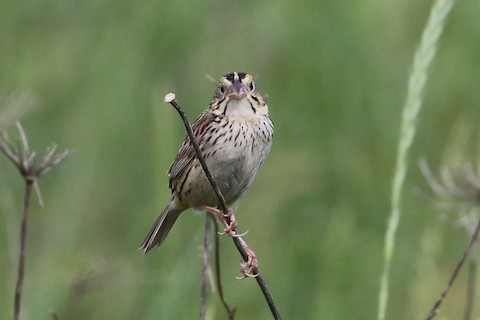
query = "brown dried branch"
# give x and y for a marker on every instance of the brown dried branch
(24, 161)
(463, 190)
(433, 312)
(230, 311)
(205, 268)
(207, 272)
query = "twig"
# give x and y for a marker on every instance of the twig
(205, 269)
(230, 311)
(209, 219)
(461, 191)
(24, 160)
(23, 243)
(239, 242)
(433, 312)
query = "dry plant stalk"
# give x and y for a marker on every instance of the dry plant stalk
(24, 161)
(465, 192)
(241, 245)
(207, 273)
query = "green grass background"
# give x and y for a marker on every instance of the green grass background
(335, 73)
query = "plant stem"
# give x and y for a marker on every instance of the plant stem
(23, 242)
(24, 161)
(230, 311)
(205, 269)
(433, 312)
(416, 84)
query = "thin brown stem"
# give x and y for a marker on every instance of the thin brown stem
(238, 241)
(230, 311)
(201, 159)
(23, 244)
(205, 269)
(433, 312)
(24, 161)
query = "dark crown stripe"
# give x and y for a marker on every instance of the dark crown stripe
(235, 76)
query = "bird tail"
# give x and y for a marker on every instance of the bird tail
(161, 227)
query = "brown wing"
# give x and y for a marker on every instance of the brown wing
(186, 154)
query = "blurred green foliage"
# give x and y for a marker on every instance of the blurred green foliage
(335, 73)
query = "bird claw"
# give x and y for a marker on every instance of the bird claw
(236, 235)
(230, 226)
(249, 268)
(232, 234)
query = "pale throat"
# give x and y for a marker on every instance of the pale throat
(240, 108)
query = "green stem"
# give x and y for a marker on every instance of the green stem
(416, 84)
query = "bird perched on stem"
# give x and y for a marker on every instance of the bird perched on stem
(234, 135)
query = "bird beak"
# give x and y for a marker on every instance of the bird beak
(238, 85)
(238, 90)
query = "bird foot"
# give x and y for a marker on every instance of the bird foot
(249, 268)
(227, 218)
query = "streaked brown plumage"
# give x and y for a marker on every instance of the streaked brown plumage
(235, 135)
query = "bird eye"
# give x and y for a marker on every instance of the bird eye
(251, 85)
(221, 89)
